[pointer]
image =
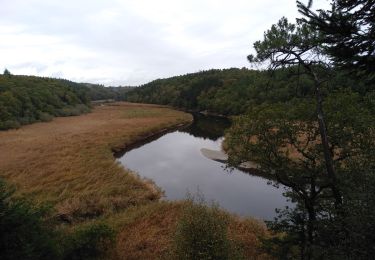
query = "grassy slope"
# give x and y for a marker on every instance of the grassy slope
(69, 163)
(146, 232)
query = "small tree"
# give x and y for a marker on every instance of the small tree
(287, 44)
(7, 73)
(202, 233)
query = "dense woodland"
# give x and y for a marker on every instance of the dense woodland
(234, 91)
(29, 99)
(100, 92)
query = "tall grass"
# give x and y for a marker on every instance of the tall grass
(202, 232)
(69, 162)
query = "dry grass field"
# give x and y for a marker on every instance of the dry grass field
(146, 232)
(69, 164)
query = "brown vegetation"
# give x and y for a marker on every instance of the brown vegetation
(147, 232)
(69, 163)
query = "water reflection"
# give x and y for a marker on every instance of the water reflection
(207, 127)
(175, 163)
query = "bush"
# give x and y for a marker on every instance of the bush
(23, 233)
(90, 242)
(202, 233)
(45, 117)
(9, 124)
(73, 110)
(26, 120)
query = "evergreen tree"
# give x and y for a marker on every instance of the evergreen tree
(7, 73)
(347, 32)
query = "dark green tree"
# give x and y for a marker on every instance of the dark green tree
(23, 232)
(347, 32)
(29, 99)
(287, 44)
(284, 140)
(313, 152)
(7, 73)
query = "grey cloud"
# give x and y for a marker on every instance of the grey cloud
(129, 42)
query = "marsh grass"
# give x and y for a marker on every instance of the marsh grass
(153, 231)
(69, 162)
(140, 112)
(202, 232)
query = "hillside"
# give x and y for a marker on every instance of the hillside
(233, 91)
(100, 92)
(28, 99)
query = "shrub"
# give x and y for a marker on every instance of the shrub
(26, 234)
(202, 233)
(89, 242)
(45, 117)
(73, 110)
(9, 124)
(26, 120)
(23, 233)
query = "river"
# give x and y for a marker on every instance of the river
(175, 163)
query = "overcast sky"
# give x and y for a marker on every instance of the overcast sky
(124, 42)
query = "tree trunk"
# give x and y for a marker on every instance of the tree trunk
(324, 138)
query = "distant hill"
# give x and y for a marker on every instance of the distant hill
(99, 92)
(227, 92)
(230, 91)
(29, 99)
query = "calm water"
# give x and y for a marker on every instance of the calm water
(174, 162)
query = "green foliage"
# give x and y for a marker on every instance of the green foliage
(202, 233)
(99, 92)
(287, 146)
(72, 110)
(234, 91)
(210, 127)
(226, 92)
(89, 242)
(346, 32)
(27, 232)
(28, 99)
(23, 232)
(7, 73)
(316, 147)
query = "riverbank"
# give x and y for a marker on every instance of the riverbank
(69, 164)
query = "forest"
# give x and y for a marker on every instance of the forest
(234, 91)
(29, 99)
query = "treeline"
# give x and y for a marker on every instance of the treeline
(233, 91)
(29, 99)
(100, 92)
